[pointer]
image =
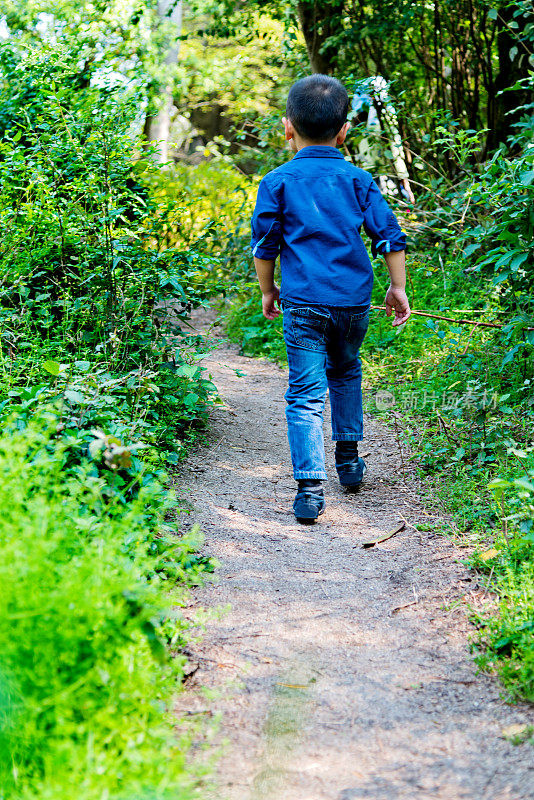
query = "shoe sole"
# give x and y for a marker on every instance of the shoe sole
(309, 520)
(349, 485)
(354, 488)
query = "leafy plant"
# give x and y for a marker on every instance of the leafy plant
(87, 681)
(101, 385)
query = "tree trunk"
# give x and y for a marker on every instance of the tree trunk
(157, 126)
(318, 21)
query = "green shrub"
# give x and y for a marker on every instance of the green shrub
(87, 681)
(506, 641)
(245, 324)
(92, 292)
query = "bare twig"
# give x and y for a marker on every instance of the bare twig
(486, 590)
(466, 207)
(448, 319)
(471, 332)
(390, 535)
(448, 434)
(406, 605)
(409, 524)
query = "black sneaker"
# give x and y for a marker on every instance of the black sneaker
(350, 467)
(309, 502)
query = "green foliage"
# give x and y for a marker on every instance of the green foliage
(87, 683)
(214, 200)
(112, 41)
(520, 499)
(506, 638)
(465, 60)
(86, 269)
(503, 243)
(225, 76)
(100, 385)
(246, 324)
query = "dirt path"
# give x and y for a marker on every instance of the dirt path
(340, 672)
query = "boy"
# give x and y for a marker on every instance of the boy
(310, 210)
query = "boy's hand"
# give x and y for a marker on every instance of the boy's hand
(397, 300)
(270, 301)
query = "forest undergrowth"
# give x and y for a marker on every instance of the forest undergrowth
(101, 392)
(104, 252)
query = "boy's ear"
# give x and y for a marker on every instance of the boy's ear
(340, 138)
(288, 128)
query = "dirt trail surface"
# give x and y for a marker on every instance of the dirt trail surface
(339, 672)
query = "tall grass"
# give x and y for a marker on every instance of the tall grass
(87, 680)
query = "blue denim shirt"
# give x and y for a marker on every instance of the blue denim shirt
(310, 211)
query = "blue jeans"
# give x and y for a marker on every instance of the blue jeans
(322, 345)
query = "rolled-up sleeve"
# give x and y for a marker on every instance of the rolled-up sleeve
(381, 224)
(266, 225)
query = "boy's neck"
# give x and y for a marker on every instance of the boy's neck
(300, 143)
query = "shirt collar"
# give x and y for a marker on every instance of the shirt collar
(318, 151)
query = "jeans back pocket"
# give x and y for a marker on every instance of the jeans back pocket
(307, 328)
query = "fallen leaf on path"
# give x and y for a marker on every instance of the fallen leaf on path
(400, 527)
(517, 732)
(292, 685)
(489, 554)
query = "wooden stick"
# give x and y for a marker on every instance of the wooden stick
(448, 434)
(470, 334)
(447, 319)
(390, 535)
(406, 605)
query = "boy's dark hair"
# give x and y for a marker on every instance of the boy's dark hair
(317, 106)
